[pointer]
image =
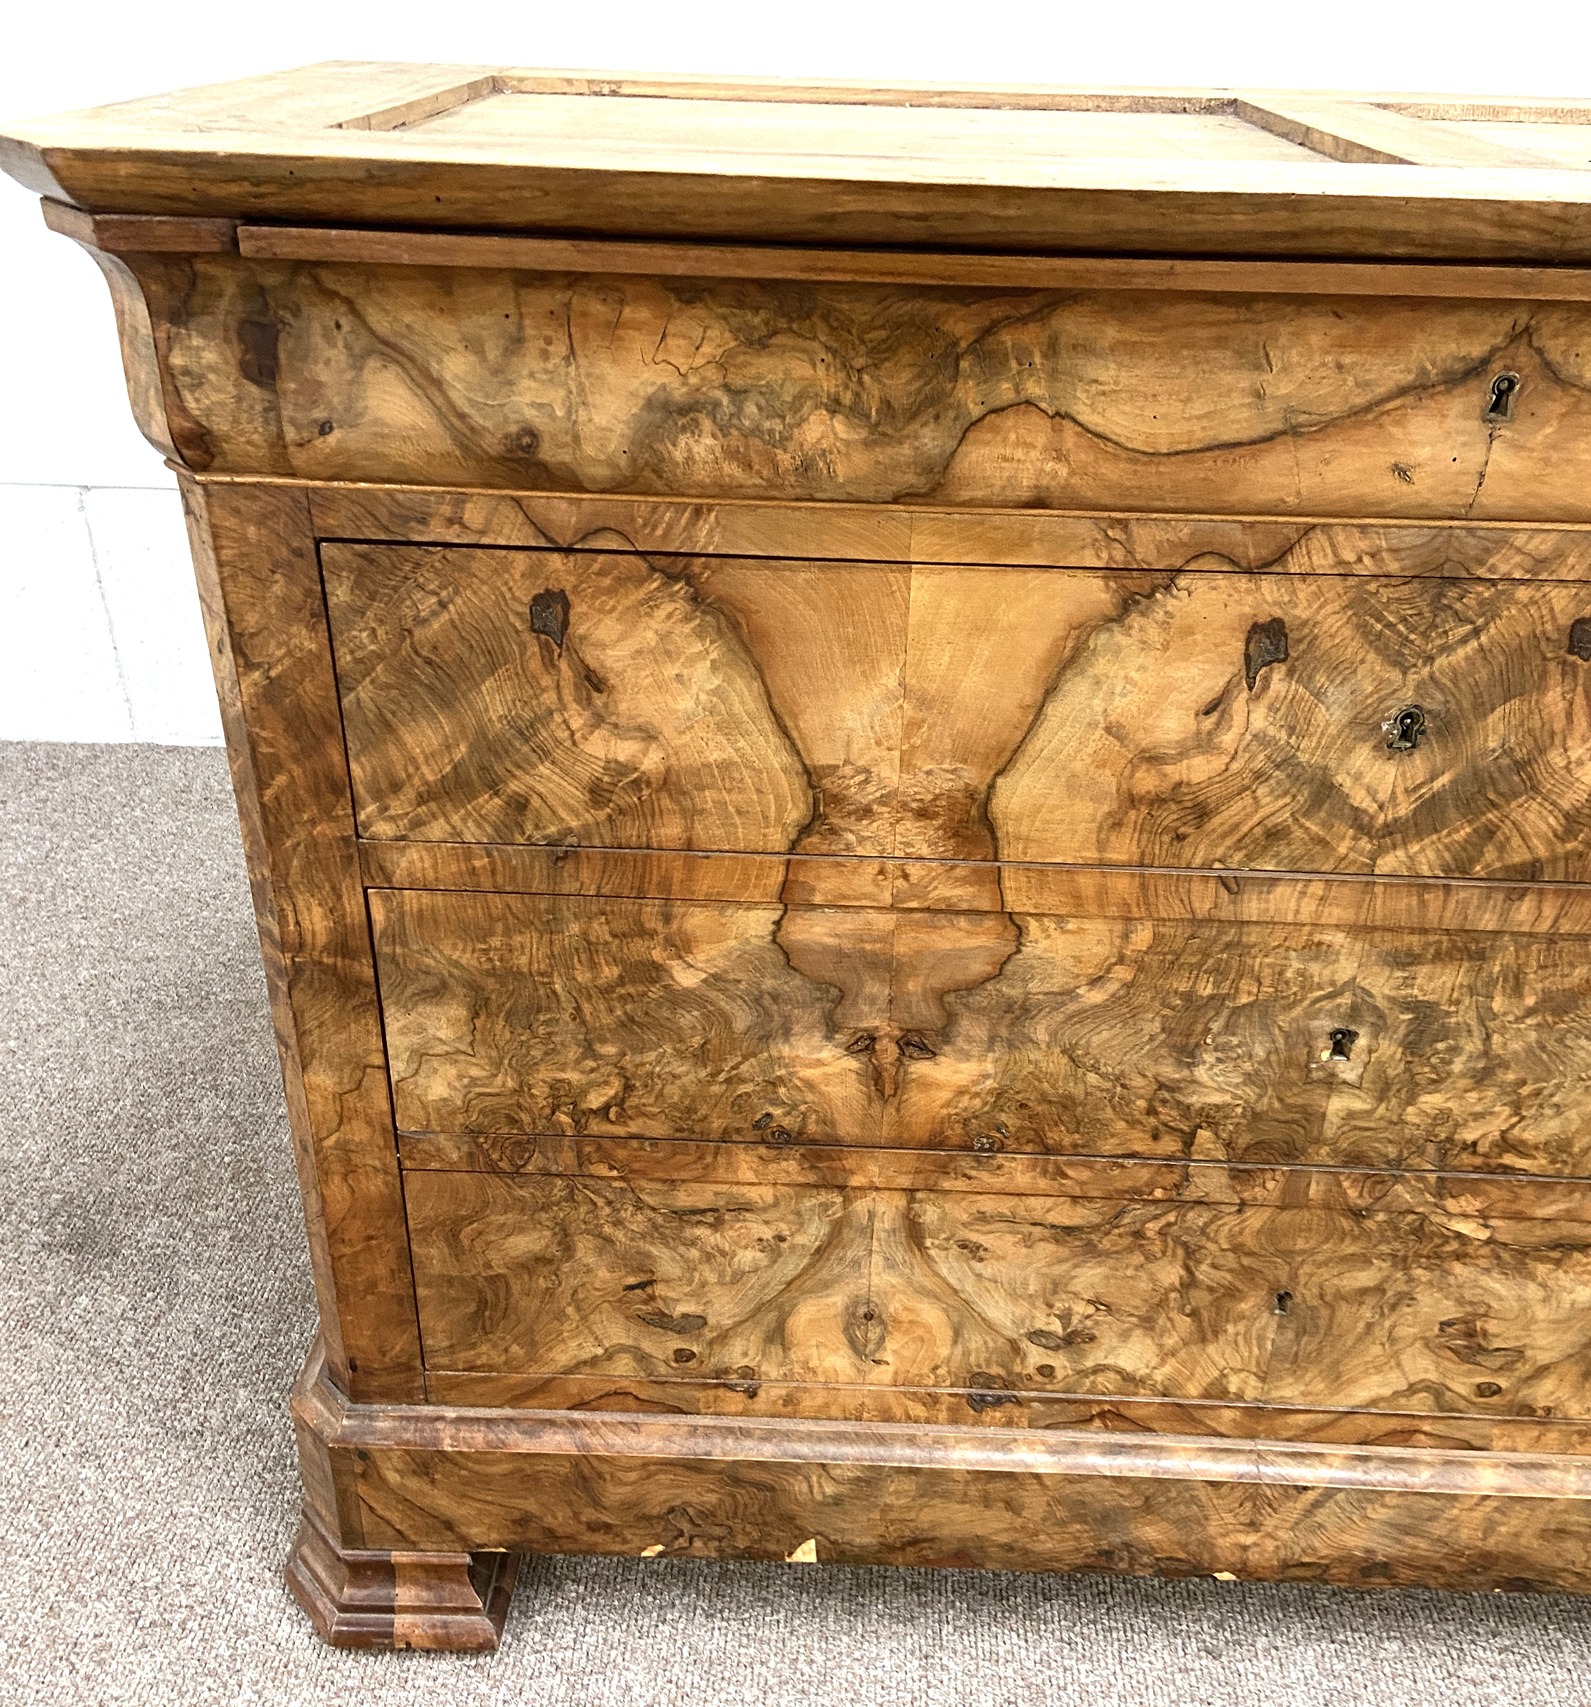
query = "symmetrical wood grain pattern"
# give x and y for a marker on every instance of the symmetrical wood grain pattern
(620, 699)
(927, 889)
(990, 1296)
(990, 1032)
(1052, 1499)
(266, 620)
(1341, 406)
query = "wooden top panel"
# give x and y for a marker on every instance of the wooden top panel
(1035, 169)
(773, 132)
(1568, 144)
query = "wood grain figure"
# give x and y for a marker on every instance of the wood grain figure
(1325, 406)
(991, 1297)
(1200, 719)
(1267, 1045)
(916, 765)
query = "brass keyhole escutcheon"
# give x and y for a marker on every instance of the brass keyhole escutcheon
(1505, 388)
(1404, 729)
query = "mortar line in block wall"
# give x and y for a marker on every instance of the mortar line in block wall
(85, 486)
(104, 608)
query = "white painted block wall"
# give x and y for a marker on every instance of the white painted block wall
(100, 637)
(103, 640)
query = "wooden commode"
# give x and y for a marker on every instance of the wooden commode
(917, 767)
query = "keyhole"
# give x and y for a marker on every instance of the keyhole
(1505, 388)
(1342, 1042)
(1404, 729)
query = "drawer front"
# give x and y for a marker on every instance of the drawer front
(1317, 722)
(893, 1289)
(1028, 1032)
(1093, 400)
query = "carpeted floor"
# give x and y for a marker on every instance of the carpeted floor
(156, 1305)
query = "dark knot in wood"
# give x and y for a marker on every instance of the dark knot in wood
(989, 1391)
(257, 351)
(687, 1323)
(865, 1328)
(549, 614)
(1266, 645)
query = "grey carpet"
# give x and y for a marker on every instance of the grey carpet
(156, 1306)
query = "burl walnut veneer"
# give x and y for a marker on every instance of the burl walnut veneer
(917, 767)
